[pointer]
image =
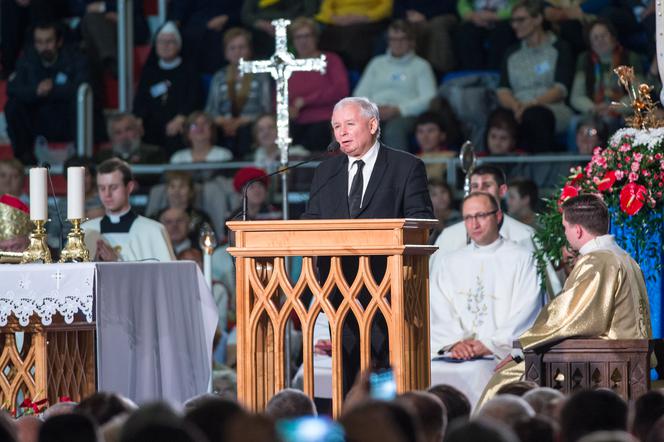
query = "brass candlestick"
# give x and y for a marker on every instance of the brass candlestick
(75, 250)
(38, 250)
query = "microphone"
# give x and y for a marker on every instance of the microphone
(332, 147)
(61, 226)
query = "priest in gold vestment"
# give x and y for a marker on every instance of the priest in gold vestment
(604, 296)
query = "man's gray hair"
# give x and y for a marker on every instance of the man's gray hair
(506, 408)
(119, 116)
(368, 108)
(543, 400)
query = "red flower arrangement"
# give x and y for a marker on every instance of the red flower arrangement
(628, 174)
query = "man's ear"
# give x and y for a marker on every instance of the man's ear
(499, 216)
(578, 230)
(131, 186)
(373, 126)
(502, 190)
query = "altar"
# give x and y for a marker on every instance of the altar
(143, 330)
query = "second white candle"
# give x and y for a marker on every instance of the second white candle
(75, 192)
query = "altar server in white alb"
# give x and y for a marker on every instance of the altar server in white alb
(482, 297)
(491, 179)
(123, 235)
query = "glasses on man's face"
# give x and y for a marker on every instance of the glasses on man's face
(481, 216)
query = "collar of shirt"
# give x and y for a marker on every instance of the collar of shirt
(168, 65)
(604, 242)
(114, 218)
(369, 159)
(490, 248)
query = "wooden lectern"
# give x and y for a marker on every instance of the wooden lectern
(267, 298)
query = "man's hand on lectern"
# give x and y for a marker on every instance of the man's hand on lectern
(323, 347)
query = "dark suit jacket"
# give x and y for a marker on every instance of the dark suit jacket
(397, 188)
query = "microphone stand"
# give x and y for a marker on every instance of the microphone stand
(333, 147)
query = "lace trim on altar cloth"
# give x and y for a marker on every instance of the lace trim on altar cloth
(46, 289)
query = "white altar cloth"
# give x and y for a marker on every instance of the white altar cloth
(155, 321)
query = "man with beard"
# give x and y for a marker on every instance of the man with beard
(42, 92)
(125, 132)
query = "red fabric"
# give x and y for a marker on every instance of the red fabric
(243, 176)
(14, 202)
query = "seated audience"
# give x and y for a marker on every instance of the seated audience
(27, 428)
(15, 224)
(522, 201)
(181, 194)
(433, 143)
(648, 409)
(351, 28)
(125, 133)
(485, 430)
(482, 297)
(257, 15)
(537, 429)
(507, 409)
(212, 415)
(200, 136)
(502, 133)
(68, 427)
(535, 79)
(290, 404)
(266, 154)
(429, 410)
(234, 101)
(456, 403)
(390, 421)
(592, 410)
(104, 406)
(312, 95)
(99, 23)
(44, 85)
(545, 401)
(595, 84)
(400, 83)
(12, 178)
(158, 422)
(121, 234)
(591, 133)
(202, 24)
(443, 207)
(176, 221)
(167, 91)
(517, 388)
(434, 22)
(484, 34)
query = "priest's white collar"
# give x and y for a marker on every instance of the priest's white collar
(115, 218)
(168, 65)
(489, 248)
(604, 242)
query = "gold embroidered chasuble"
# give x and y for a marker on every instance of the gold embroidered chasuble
(604, 297)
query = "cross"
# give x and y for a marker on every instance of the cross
(281, 65)
(57, 276)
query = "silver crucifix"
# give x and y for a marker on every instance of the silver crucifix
(281, 65)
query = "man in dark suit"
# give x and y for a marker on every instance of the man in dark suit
(370, 180)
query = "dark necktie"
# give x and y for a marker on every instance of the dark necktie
(355, 195)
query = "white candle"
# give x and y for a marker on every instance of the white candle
(207, 268)
(75, 192)
(38, 195)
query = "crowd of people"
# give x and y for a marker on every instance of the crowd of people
(520, 412)
(550, 64)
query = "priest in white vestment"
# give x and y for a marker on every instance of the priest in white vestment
(491, 179)
(482, 297)
(121, 234)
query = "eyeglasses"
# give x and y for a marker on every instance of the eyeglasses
(479, 216)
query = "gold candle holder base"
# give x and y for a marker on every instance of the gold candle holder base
(38, 250)
(75, 250)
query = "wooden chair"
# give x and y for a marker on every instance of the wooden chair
(578, 364)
